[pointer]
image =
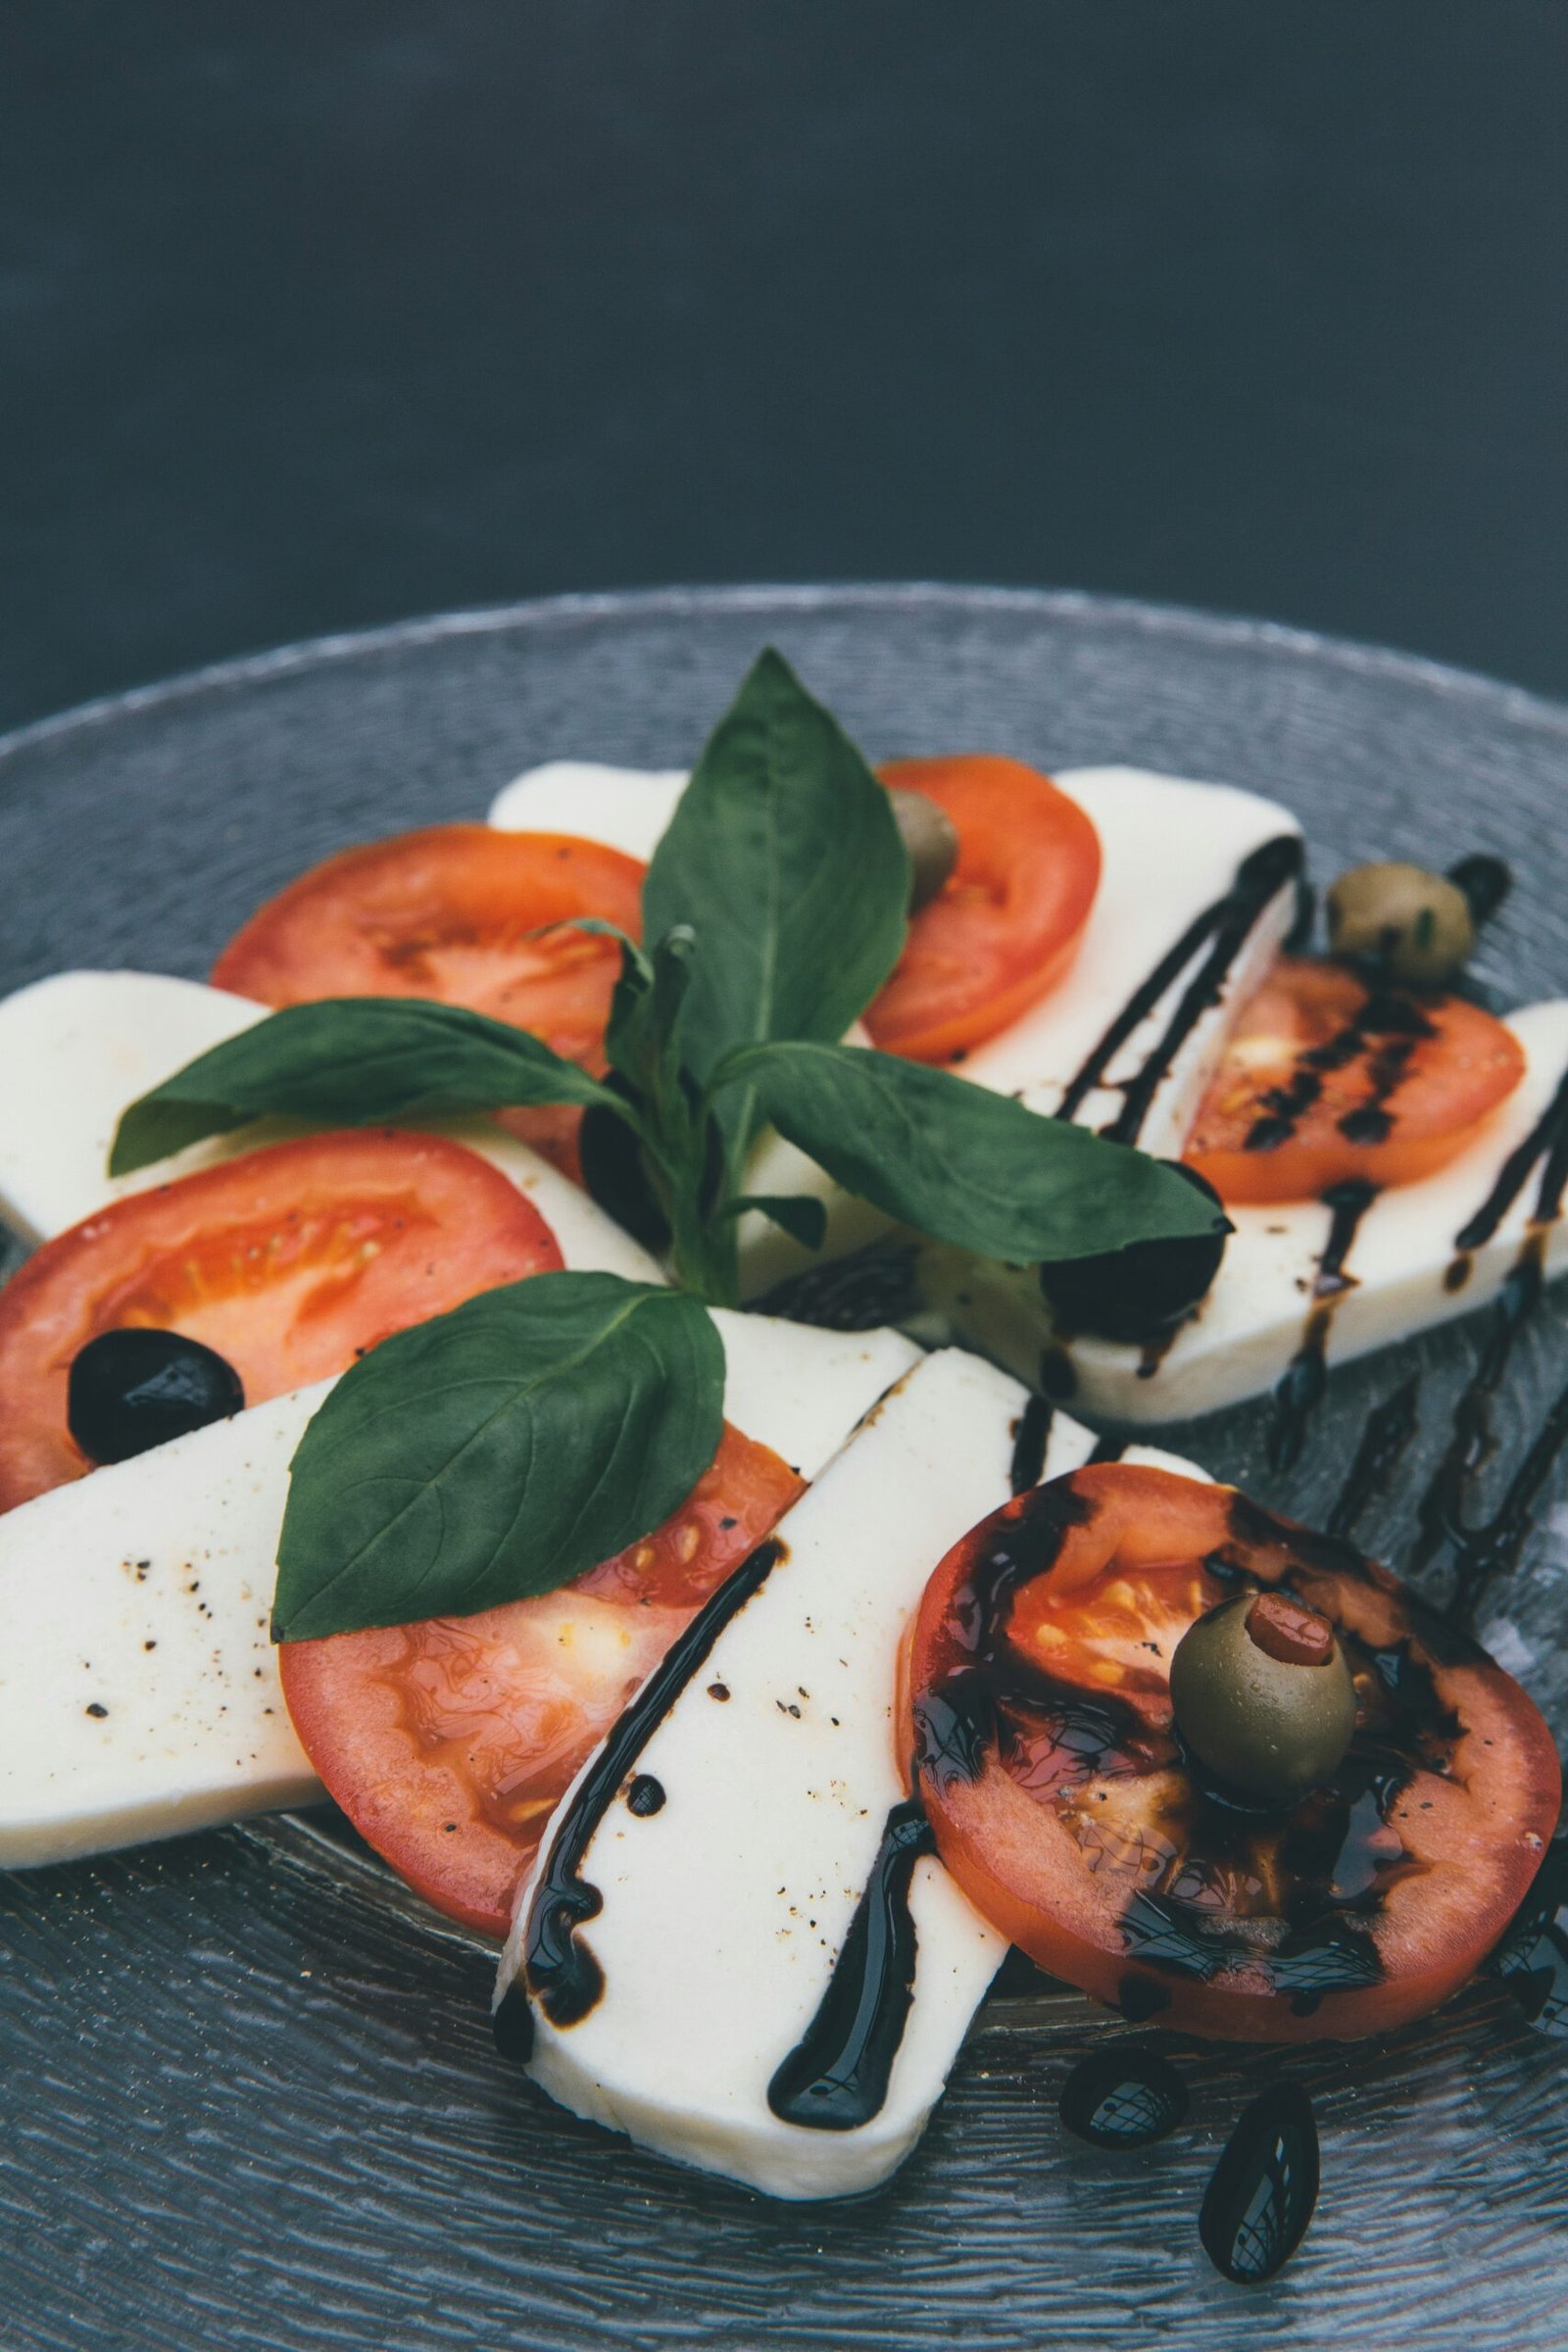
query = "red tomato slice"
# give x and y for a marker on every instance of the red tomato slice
(1064, 1805)
(449, 1743)
(1008, 921)
(290, 1262)
(1327, 1079)
(448, 913)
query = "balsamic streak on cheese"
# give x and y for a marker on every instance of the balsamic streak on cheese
(1306, 1375)
(1334, 1854)
(561, 1973)
(1224, 927)
(836, 2077)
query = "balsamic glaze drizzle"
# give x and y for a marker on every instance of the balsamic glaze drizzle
(836, 2077)
(1388, 1431)
(1547, 1140)
(1483, 1549)
(1225, 925)
(1305, 1377)
(560, 1971)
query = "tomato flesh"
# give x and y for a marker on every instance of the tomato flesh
(450, 913)
(1064, 1803)
(289, 1261)
(1327, 1079)
(449, 1743)
(1007, 922)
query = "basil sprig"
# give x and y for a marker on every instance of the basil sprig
(784, 862)
(504, 1448)
(498, 1451)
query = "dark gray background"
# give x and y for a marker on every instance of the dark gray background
(314, 313)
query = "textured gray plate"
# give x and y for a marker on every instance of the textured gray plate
(250, 2093)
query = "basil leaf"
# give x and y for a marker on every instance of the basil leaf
(350, 1061)
(803, 1219)
(964, 1165)
(784, 859)
(498, 1451)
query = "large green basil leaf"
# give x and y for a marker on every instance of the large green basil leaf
(351, 1061)
(963, 1164)
(498, 1451)
(784, 859)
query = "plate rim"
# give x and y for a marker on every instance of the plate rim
(1070, 606)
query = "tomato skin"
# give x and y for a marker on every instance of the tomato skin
(290, 1262)
(1075, 1825)
(449, 1743)
(446, 913)
(1325, 1080)
(1008, 923)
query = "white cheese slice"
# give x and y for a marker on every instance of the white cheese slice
(724, 1912)
(1170, 848)
(625, 808)
(1405, 1273)
(77, 1049)
(145, 1588)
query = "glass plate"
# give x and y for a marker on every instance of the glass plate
(251, 2095)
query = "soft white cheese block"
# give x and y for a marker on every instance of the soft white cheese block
(145, 1590)
(139, 1687)
(1245, 1334)
(724, 1911)
(1170, 848)
(78, 1050)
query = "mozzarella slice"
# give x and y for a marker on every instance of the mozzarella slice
(75, 1050)
(743, 1813)
(625, 808)
(138, 1688)
(1170, 848)
(1401, 1272)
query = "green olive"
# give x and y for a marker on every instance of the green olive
(1262, 1693)
(1416, 926)
(932, 840)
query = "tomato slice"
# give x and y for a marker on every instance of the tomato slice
(1065, 1805)
(449, 914)
(290, 1262)
(449, 1743)
(1008, 921)
(1327, 1078)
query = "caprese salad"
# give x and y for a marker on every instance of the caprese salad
(381, 1411)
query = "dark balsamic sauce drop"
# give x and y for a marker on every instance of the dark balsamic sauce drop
(1260, 2198)
(861, 1292)
(1126, 2096)
(1031, 1435)
(512, 2024)
(836, 2077)
(645, 1796)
